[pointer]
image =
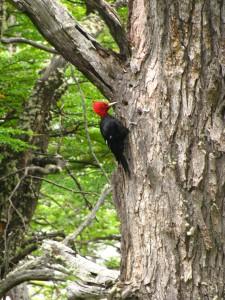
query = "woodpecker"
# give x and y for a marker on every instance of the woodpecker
(113, 131)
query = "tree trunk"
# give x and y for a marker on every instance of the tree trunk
(172, 207)
(170, 93)
(2, 16)
(18, 191)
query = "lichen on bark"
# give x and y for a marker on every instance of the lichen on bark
(18, 192)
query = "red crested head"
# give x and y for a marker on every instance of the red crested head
(101, 108)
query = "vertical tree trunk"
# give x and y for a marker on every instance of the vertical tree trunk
(172, 212)
(19, 192)
(2, 13)
(171, 95)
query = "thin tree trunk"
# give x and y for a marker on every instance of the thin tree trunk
(172, 208)
(19, 192)
(2, 16)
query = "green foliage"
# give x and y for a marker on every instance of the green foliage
(61, 205)
(19, 66)
(7, 137)
(113, 263)
(76, 8)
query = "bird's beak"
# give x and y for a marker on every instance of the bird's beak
(112, 104)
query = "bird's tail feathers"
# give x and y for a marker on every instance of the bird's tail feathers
(124, 163)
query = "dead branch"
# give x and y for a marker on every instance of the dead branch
(88, 204)
(39, 237)
(72, 237)
(63, 187)
(35, 269)
(120, 3)
(71, 40)
(57, 262)
(109, 15)
(17, 40)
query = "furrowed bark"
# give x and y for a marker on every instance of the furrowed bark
(172, 210)
(172, 96)
(74, 43)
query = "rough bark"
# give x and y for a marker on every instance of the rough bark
(172, 98)
(172, 209)
(19, 192)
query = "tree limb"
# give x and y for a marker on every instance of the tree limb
(88, 204)
(74, 43)
(92, 280)
(58, 261)
(39, 237)
(29, 42)
(35, 269)
(72, 237)
(120, 3)
(27, 275)
(110, 237)
(111, 19)
(63, 187)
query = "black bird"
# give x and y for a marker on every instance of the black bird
(113, 131)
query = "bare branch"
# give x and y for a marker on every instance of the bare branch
(83, 162)
(39, 237)
(88, 204)
(72, 237)
(22, 254)
(110, 17)
(92, 280)
(120, 3)
(114, 237)
(48, 169)
(56, 263)
(63, 187)
(21, 40)
(31, 245)
(74, 43)
(22, 275)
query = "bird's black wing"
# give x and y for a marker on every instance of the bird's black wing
(111, 128)
(114, 132)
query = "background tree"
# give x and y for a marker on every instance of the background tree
(169, 84)
(50, 132)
